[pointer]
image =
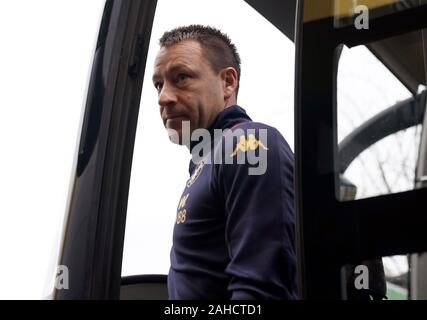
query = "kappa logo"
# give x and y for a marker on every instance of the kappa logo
(196, 172)
(251, 143)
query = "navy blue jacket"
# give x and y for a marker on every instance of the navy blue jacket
(234, 235)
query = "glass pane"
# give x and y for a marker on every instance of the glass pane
(46, 55)
(381, 100)
(402, 277)
(160, 169)
(397, 274)
(377, 279)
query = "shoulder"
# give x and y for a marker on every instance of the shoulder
(258, 133)
(252, 125)
(252, 147)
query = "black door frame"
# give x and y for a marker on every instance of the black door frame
(94, 231)
(333, 233)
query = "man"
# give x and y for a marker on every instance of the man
(234, 231)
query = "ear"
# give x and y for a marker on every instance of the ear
(230, 80)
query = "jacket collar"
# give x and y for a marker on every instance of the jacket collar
(226, 119)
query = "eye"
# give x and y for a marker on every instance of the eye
(158, 86)
(182, 77)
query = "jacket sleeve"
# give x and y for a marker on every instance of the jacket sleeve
(259, 215)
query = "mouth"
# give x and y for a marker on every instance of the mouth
(174, 121)
(174, 116)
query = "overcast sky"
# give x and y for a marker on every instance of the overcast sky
(45, 58)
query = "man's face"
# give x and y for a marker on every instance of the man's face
(188, 88)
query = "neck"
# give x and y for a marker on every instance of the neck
(231, 101)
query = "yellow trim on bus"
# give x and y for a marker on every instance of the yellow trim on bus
(319, 9)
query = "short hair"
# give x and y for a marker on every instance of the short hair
(217, 46)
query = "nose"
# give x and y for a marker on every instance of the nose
(167, 96)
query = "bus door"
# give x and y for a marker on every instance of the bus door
(360, 149)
